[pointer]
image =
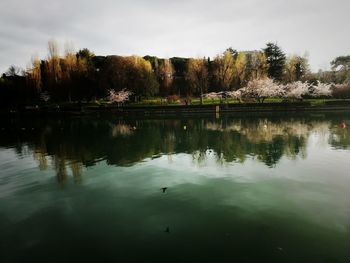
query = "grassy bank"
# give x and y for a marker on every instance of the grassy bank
(196, 101)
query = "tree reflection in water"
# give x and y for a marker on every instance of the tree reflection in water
(71, 144)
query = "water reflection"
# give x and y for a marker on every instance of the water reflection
(71, 144)
(340, 138)
(122, 130)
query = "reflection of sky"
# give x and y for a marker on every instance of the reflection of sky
(313, 185)
(298, 201)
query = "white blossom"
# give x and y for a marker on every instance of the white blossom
(322, 89)
(261, 89)
(237, 94)
(213, 95)
(120, 96)
(296, 90)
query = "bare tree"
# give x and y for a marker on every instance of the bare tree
(197, 75)
(224, 69)
(33, 75)
(241, 67)
(53, 62)
(14, 71)
(165, 73)
(296, 68)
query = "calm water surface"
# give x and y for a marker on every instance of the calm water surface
(239, 189)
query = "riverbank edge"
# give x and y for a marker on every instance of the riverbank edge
(177, 110)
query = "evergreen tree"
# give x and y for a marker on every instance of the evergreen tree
(276, 60)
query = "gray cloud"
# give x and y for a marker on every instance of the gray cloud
(174, 28)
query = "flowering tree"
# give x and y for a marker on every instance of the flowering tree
(322, 90)
(237, 94)
(260, 89)
(213, 95)
(119, 97)
(296, 90)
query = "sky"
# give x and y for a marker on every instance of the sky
(167, 28)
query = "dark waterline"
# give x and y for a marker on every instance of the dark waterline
(268, 188)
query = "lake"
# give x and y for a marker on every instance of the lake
(241, 188)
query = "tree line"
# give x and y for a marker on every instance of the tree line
(84, 76)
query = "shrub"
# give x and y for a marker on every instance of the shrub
(341, 91)
(173, 98)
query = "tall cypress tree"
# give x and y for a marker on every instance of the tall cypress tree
(276, 60)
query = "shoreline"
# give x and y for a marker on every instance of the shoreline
(176, 110)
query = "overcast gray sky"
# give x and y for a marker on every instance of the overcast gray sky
(174, 28)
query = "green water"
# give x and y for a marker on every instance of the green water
(272, 188)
